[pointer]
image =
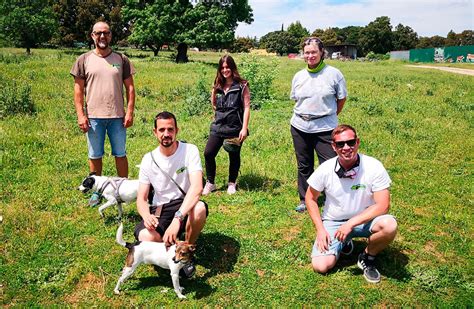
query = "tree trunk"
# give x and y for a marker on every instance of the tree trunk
(28, 50)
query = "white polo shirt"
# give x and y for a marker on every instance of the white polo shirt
(346, 197)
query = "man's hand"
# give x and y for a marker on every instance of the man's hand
(343, 231)
(323, 240)
(128, 120)
(171, 234)
(83, 123)
(151, 222)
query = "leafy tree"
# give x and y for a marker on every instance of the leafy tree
(376, 36)
(404, 38)
(329, 37)
(212, 24)
(27, 23)
(451, 39)
(154, 22)
(424, 42)
(242, 45)
(76, 18)
(466, 37)
(348, 35)
(318, 33)
(280, 42)
(297, 30)
(438, 41)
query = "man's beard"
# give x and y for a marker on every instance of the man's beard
(168, 142)
(102, 44)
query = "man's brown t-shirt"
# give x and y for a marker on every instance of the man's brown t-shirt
(103, 83)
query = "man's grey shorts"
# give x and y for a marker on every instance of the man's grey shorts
(362, 230)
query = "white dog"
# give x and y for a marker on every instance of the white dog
(156, 253)
(115, 190)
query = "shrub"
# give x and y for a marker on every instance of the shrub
(260, 74)
(198, 101)
(16, 99)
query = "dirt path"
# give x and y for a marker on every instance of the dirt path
(447, 69)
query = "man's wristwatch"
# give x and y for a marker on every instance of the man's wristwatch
(179, 215)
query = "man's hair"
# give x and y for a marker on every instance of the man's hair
(341, 128)
(165, 115)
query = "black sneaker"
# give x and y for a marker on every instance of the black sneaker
(347, 248)
(367, 264)
(187, 271)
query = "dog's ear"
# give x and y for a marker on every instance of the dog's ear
(92, 173)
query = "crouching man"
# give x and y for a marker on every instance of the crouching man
(174, 171)
(357, 204)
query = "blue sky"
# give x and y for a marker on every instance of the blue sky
(426, 17)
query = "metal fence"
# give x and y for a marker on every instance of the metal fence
(443, 54)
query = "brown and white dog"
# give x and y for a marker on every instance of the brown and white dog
(156, 253)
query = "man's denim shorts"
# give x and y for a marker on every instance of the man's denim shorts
(362, 230)
(116, 132)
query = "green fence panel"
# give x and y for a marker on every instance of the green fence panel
(443, 54)
(422, 55)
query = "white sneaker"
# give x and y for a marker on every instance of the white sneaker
(231, 188)
(208, 188)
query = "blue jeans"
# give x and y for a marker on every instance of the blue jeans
(335, 247)
(116, 132)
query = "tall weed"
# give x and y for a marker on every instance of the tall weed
(260, 74)
(16, 99)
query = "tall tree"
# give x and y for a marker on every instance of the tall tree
(376, 36)
(451, 39)
(207, 24)
(348, 35)
(404, 38)
(329, 37)
(27, 23)
(299, 32)
(280, 42)
(154, 22)
(466, 37)
(438, 41)
(76, 18)
(317, 33)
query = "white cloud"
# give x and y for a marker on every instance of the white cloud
(427, 18)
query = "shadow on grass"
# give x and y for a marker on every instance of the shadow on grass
(254, 182)
(111, 216)
(391, 262)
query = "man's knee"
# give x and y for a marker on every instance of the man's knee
(146, 235)
(387, 225)
(199, 212)
(323, 264)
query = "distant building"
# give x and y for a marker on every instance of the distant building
(345, 50)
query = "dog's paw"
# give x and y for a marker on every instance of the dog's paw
(181, 296)
(116, 292)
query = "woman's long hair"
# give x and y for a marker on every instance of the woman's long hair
(219, 82)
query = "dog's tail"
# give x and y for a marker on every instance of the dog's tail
(118, 236)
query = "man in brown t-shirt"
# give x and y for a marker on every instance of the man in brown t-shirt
(99, 77)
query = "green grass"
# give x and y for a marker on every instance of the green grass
(255, 249)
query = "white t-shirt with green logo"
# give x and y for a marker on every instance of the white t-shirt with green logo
(179, 165)
(346, 197)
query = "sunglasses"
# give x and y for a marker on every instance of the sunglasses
(350, 143)
(312, 40)
(99, 33)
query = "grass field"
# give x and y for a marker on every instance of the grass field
(254, 251)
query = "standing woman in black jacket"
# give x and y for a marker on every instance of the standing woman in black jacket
(230, 100)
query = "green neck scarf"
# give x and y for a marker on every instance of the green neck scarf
(318, 68)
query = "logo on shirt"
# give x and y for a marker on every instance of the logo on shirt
(180, 170)
(358, 186)
(115, 65)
